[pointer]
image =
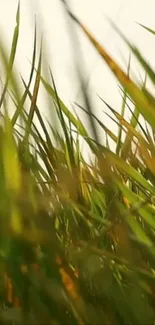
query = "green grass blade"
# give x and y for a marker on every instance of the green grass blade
(148, 29)
(34, 99)
(128, 170)
(19, 108)
(119, 144)
(107, 131)
(12, 55)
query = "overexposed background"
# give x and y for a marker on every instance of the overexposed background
(52, 24)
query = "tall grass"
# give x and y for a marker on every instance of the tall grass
(76, 239)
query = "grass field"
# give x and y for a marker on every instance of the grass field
(76, 238)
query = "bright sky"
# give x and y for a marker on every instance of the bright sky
(51, 21)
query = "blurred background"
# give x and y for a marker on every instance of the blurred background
(58, 46)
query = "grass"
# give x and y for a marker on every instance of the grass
(76, 239)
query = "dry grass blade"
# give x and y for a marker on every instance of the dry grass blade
(142, 103)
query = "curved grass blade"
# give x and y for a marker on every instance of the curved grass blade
(33, 100)
(119, 144)
(69, 148)
(136, 120)
(145, 212)
(76, 122)
(136, 227)
(130, 127)
(142, 103)
(107, 131)
(19, 108)
(147, 28)
(119, 163)
(12, 55)
(138, 55)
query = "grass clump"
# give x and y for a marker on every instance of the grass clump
(76, 239)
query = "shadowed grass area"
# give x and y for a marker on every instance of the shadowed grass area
(76, 239)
